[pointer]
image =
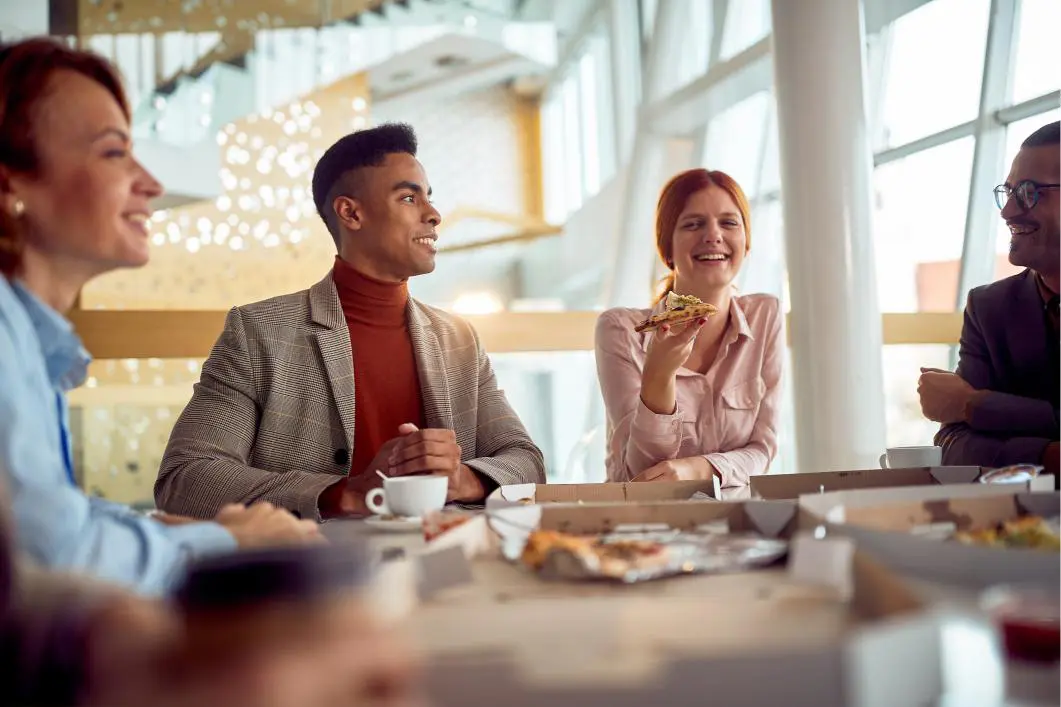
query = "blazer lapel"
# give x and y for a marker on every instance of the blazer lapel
(431, 367)
(1025, 318)
(334, 345)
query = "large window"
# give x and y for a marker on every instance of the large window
(906, 425)
(935, 57)
(747, 22)
(695, 45)
(736, 141)
(1038, 62)
(578, 132)
(919, 227)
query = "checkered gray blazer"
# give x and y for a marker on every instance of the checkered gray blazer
(272, 417)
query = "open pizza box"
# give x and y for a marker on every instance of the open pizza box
(624, 492)
(830, 626)
(912, 535)
(779, 486)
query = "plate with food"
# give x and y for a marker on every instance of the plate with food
(678, 309)
(1014, 474)
(1028, 532)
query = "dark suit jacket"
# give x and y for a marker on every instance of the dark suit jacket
(1008, 348)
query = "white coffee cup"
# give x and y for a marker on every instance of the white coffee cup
(911, 457)
(409, 496)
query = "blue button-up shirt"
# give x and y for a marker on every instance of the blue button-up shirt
(57, 525)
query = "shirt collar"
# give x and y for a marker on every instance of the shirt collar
(64, 357)
(1044, 291)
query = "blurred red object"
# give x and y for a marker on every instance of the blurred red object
(1029, 618)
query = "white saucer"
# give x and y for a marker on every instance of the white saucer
(398, 524)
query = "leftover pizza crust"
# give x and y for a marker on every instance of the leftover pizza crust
(612, 558)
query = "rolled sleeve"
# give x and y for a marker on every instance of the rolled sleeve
(653, 437)
(637, 437)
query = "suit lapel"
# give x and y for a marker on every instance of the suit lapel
(431, 367)
(334, 346)
(1025, 320)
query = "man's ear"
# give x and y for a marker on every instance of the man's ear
(348, 212)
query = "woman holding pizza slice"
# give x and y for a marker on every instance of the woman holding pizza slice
(692, 391)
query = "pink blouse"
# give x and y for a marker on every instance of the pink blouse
(729, 414)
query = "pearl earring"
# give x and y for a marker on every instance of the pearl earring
(19, 208)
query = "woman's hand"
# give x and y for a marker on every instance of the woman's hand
(671, 345)
(687, 469)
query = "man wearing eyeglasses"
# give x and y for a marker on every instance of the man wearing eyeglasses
(1001, 406)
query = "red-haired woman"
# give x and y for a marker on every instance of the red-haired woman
(689, 401)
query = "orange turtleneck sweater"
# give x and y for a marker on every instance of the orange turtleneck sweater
(386, 382)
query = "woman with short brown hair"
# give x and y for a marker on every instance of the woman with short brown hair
(74, 204)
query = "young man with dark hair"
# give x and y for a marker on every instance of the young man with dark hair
(1001, 406)
(305, 396)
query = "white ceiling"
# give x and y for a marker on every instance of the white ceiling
(449, 65)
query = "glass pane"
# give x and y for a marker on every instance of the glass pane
(121, 420)
(764, 268)
(771, 176)
(696, 47)
(919, 227)
(747, 22)
(934, 72)
(1016, 133)
(599, 47)
(736, 139)
(906, 426)
(1038, 64)
(572, 143)
(553, 160)
(587, 88)
(557, 397)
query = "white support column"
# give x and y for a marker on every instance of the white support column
(826, 171)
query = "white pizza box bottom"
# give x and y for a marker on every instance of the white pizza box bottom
(908, 535)
(493, 633)
(609, 492)
(781, 486)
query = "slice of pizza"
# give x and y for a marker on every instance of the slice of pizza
(589, 556)
(679, 308)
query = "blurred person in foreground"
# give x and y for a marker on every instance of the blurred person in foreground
(1001, 405)
(70, 640)
(74, 204)
(696, 400)
(305, 396)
